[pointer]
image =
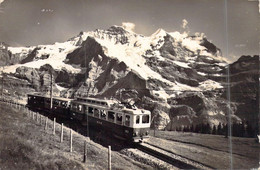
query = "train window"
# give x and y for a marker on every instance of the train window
(86, 109)
(119, 118)
(137, 120)
(55, 102)
(103, 114)
(103, 103)
(127, 120)
(111, 116)
(89, 101)
(145, 119)
(74, 107)
(96, 112)
(64, 104)
(90, 110)
(80, 107)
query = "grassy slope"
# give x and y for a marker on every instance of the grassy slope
(25, 145)
(212, 150)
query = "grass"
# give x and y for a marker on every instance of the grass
(24, 144)
(211, 150)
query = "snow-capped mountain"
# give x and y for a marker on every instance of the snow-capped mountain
(177, 76)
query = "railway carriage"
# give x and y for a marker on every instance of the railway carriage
(36, 101)
(60, 105)
(127, 124)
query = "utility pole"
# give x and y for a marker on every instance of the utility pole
(120, 95)
(51, 91)
(2, 90)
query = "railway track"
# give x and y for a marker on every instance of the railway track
(169, 157)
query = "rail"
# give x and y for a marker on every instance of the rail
(170, 157)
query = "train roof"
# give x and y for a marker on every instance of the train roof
(36, 94)
(86, 103)
(118, 108)
(136, 111)
(61, 98)
(96, 100)
(54, 97)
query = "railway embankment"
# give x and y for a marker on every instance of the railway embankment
(214, 151)
(25, 143)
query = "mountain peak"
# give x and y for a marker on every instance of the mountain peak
(3, 45)
(117, 30)
(160, 32)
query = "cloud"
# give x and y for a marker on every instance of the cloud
(45, 10)
(240, 45)
(1, 1)
(184, 24)
(1, 9)
(128, 26)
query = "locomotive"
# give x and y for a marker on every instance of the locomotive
(127, 124)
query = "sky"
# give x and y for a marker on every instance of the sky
(232, 25)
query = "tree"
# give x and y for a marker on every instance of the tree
(208, 129)
(185, 129)
(243, 129)
(225, 130)
(204, 129)
(214, 130)
(219, 129)
(235, 129)
(191, 128)
(249, 130)
(196, 130)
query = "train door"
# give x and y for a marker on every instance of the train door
(80, 111)
(73, 110)
(119, 122)
(30, 100)
(127, 121)
(85, 108)
(47, 103)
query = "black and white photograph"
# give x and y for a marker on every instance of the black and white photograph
(129, 84)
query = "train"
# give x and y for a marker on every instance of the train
(109, 116)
